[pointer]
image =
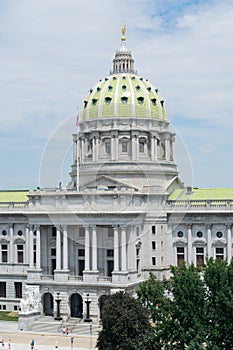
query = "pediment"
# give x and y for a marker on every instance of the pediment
(104, 182)
(173, 184)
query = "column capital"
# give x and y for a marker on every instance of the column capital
(228, 225)
(208, 226)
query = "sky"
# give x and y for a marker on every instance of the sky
(53, 51)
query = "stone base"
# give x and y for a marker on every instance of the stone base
(120, 277)
(26, 320)
(34, 274)
(61, 275)
(90, 276)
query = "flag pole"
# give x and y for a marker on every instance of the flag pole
(77, 153)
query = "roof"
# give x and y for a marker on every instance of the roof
(123, 95)
(11, 195)
(202, 194)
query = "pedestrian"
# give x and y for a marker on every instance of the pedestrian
(32, 344)
(67, 331)
(9, 344)
(64, 331)
(3, 343)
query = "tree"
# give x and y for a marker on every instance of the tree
(125, 325)
(219, 281)
(179, 314)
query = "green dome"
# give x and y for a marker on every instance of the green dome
(123, 95)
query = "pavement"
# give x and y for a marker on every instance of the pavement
(15, 339)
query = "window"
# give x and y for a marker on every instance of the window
(220, 253)
(124, 99)
(124, 146)
(54, 231)
(110, 232)
(2, 289)
(53, 251)
(141, 147)
(153, 100)
(153, 260)
(161, 243)
(153, 245)
(219, 234)
(180, 255)
(81, 232)
(94, 101)
(137, 231)
(34, 253)
(110, 88)
(199, 256)
(4, 233)
(108, 100)
(110, 252)
(199, 234)
(18, 290)
(124, 88)
(20, 232)
(107, 147)
(19, 253)
(180, 234)
(4, 253)
(153, 230)
(140, 100)
(81, 252)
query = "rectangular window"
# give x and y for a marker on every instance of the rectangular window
(107, 147)
(153, 245)
(2, 289)
(18, 290)
(124, 146)
(220, 253)
(81, 252)
(141, 147)
(199, 257)
(34, 254)
(153, 260)
(110, 252)
(53, 251)
(180, 255)
(19, 253)
(110, 232)
(4, 253)
(54, 231)
(81, 232)
(153, 229)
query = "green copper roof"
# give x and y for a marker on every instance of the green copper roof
(13, 195)
(202, 194)
(123, 95)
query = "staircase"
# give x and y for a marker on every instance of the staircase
(46, 324)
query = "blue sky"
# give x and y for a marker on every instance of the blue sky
(53, 51)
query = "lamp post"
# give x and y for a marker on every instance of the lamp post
(58, 301)
(87, 319)
(71, 343)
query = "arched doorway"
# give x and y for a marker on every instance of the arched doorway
(101, 304)
(76, 305)
(48, 304)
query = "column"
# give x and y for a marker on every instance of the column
(27, 245)
(74, 148)
(134, 146)
(11, 252)
(31, 248)
(93, 150)
(156, 149)
(208, 241)
(81, 149)
(58, 249)
(116, 147)
(137, 148)
(189, 257)
(65, 248)
(87, 249)
(167, 147)
(97, 147)
(113, 148)
(229, 244)
(152, 147)
(94, 249)
(123, 248)
(116, 248)
(38, 248)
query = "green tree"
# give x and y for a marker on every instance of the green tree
(125, 325)
(219, 282)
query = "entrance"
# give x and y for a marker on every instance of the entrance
(76, 305)
(48, 304)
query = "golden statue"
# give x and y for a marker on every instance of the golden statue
(123, 29)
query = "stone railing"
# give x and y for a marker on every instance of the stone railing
(14, 205)
(200, 204)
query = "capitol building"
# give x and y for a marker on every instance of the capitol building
(125, 212)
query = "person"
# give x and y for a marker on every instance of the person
(9, 344)
(64, 331)
(32, 344)
(67, 331)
